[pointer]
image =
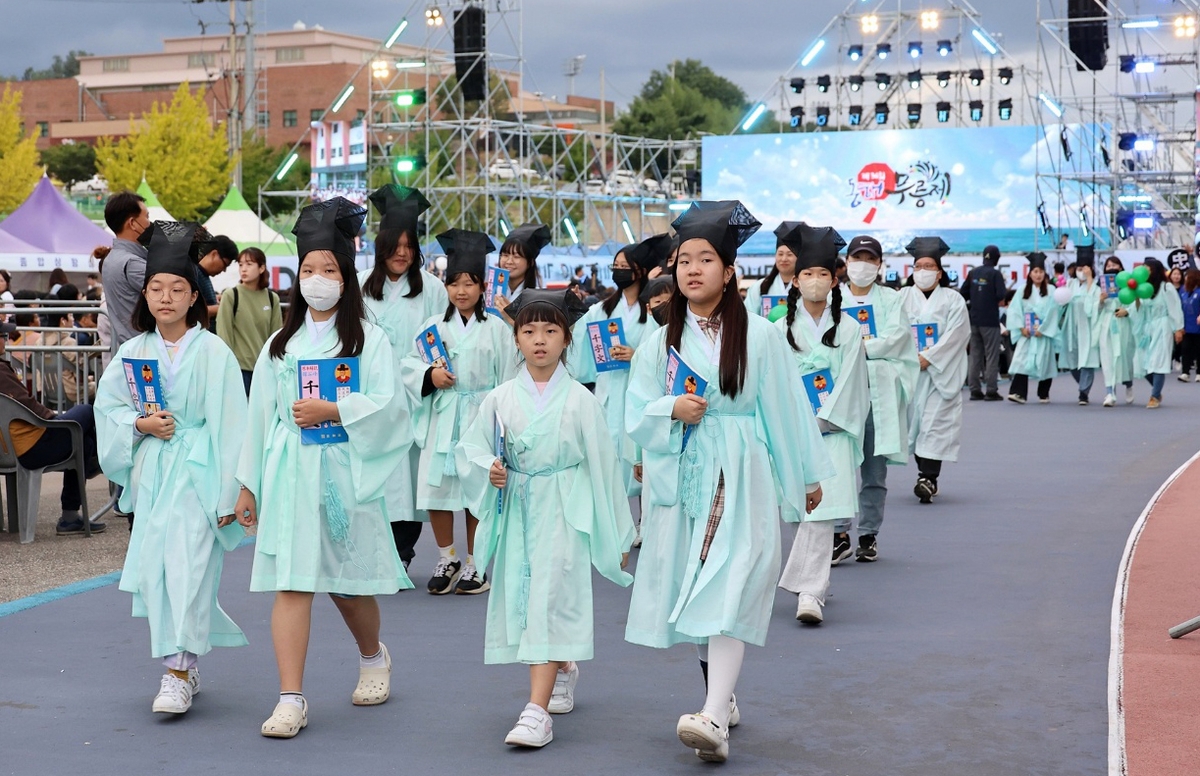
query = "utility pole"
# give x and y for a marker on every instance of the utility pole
(235, 119)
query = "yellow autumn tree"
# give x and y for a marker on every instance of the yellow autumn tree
(182, 154)
(19, 168)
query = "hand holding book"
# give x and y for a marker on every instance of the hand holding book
(689, 408)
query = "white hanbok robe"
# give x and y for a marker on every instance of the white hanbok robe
(935, 415)
(1081, 327)
(1116, 343)
(1155, 321)
(892, 371)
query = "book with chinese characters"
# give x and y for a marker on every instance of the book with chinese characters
(602, 336)
(499, 445)
(329, 379)
(682, 379)
(145, 385)
(926, 335)
(769, 303)
(1108, 284)
(819, 386)
(865, 315)
(1032, 322)
(496, 283)
(433, 351)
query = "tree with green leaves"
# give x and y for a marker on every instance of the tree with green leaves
(69, 163)
(259, 162)
(19, 168)
(62, 67)
(181, 153)
(687, 99)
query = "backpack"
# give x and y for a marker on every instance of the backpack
(274, 297)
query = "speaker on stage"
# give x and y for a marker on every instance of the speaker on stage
(470, 52)
(1089, 38)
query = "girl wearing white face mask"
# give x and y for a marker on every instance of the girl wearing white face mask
(324, 525)
(827, 346)
(1033, 353)
(939, 317)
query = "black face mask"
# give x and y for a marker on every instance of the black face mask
(622, 278)
(660, 314)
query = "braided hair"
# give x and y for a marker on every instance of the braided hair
(829, 338)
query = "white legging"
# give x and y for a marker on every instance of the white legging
(724, 657)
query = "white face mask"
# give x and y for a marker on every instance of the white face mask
(925, 279)
(862, 273)
(321, 293)
(815, 289)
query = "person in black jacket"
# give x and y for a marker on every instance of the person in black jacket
(984, 290)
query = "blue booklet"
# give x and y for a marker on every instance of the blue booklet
(926, 334)
(768, 303)
(865, 315)
(1108, 284)
(145, 385)
(329, 379)
(602, 336)
(682, 379)
(496, 282)
(499, 445)
(433, 351)
(819, 386)
(1032, 322)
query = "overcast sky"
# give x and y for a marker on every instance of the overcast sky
(749, 41)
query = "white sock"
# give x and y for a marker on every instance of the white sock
(447, 553)
(294, 698)
(372, 661)
(724, 664)
(470, 559)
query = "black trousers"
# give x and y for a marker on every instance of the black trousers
(928, 468)
(1020, 386)
(405, 533)
(55, 447)
(1190, 352)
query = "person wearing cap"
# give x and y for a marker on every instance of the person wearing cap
(551, 506)
(175, 462)
(324, 514)
(710, 551)
(629, 270)
(984, 290)
(446, 399)
(779, 280)
(827, 347)
(1116, 341)
(1081, 323)
(1034, 345)
(518, 255)
(938, 316)
(1157, 328)
(399, 296)
(892, 372)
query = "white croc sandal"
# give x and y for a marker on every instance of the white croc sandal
(374, 684)
(286, 721)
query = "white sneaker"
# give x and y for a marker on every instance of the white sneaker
(1183, 378)
(808, 609)
(1110, 400)
(637, 536)
(1198, 377)
(174, 696)
(735, 715)
(562, 699)
(194, 680)
(1129, 394)
(709, 740)
(534, 728)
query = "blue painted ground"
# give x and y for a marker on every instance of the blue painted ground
(976, 645)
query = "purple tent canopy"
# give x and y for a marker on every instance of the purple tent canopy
(50, 224)
(10, 244)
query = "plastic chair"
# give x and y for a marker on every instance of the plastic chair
(24, 486)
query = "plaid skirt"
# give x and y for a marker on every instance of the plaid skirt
(714, 517)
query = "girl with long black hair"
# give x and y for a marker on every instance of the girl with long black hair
(1157, 328)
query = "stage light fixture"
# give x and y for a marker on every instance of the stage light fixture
(1143, 144)
(976, 110)
(1144, 66)
(812, 52)
(881, 112)
(409, 164)
(823, 116)
(797, 114)
(1144, 222)
(882, 50)
(410, 98)
(1005, 74)
(1051, 105)
(856, 82)
(869, 24)
(823, 83)
(1125, 141)
(1126, 63)
(1140, 24)
(1185, 26)
(1005, 109)
(883, 81)
(914, 113)
(985, 40)
(1065, 142)
(914, 79)
(855, 52)
(975, 76)
(433, 17)
(929, 20)
(797, 85)
(943, 78)
(915, 49)
(943, 112)
(944, 48)
(856, 112)
(1104, 155)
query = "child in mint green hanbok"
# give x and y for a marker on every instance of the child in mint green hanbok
(777, 282)
(1157, 328)
(518, 255)
(827, 346)
(550, 507)
(399, 295)
(174, 455)
(1083, 316)
(710, 540)
(1033, 355)
(319, 499)
(480, 353)
(1116, 342)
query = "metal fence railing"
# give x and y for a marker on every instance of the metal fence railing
(56, 369)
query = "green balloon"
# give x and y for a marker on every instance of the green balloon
(1123, 278)
(777, 312)
(1145, 290)
(1141, 274)
(1125, 295)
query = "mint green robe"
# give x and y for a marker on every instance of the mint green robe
(1034, 356)
(1116, 343)
(1081, 327)
(564, 512)
(401, 319)
(844, 415)
(765, 441)
(1155, 322)
(892, 370)
(178, 488)
(611, 387)
(754, 294)
(482, 355)
(292, 482)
